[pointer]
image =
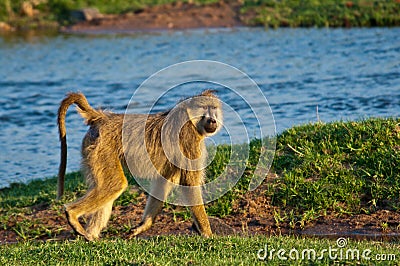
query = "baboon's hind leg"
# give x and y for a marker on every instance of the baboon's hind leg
(109, 185)
(73, 221)
(98, 220)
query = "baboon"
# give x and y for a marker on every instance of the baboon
(167, 148)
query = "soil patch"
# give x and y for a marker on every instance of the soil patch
(252, 215)
(169, 16)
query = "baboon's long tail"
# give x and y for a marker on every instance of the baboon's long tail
(88, 113)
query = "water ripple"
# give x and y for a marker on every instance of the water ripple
(346, 73)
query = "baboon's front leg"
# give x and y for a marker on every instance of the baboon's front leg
(199, 214)
(159, 193)
(201, 220)
(194, 198)
(153, 207)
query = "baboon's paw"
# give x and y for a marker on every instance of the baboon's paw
(143, 226)
(138, 230)
(74, 223)
(89, 237)
(206, 235)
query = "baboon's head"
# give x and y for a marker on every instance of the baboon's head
(205, 112)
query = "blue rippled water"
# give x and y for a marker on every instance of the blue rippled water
(348, 73)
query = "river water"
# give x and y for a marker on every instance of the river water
(347, 74)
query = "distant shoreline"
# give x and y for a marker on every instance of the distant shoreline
(28, 15)
(178, 16)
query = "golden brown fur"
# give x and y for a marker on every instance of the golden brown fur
(169, 150)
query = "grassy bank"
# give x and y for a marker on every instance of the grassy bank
(323, 171)
(23, 14)
(339, 168)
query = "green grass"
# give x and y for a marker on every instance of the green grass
(323, 13)
(334, 169)
(338, 168)
(174, 250)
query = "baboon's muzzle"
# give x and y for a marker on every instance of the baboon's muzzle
(211, 125)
